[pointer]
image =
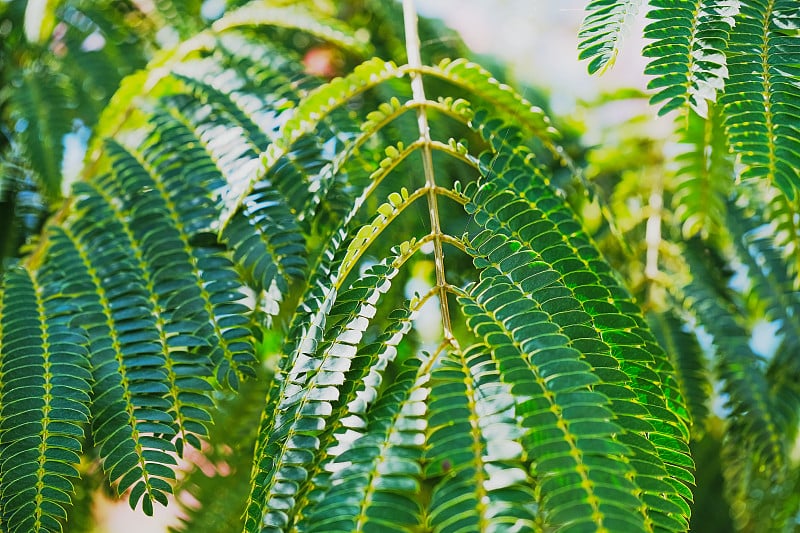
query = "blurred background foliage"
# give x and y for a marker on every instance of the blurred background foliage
(712, 259)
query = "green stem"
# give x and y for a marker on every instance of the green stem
(418, 92)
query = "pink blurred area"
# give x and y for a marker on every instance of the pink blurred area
(118, 517)
(538, 41)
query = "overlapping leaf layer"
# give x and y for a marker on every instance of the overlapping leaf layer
(237, 196)
(743, 55)
(137, 311)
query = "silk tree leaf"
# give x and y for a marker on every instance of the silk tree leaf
(187, 374)
(762, 59)
(562, 412)
(705, 177)
(183, 204)
(689, 48)
(773, 284)
(41, 107)
(44, 401)
(618, 337)
(689, 361)
(475, 456)
(755, 442)
(310, 383)
(130, 416)
(601, 31)
(375, 482)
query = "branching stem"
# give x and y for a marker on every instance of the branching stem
(418, 93)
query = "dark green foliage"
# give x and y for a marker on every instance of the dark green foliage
(729, 69)
(689, 52)
(772, 494)
(586, 335)
(689, 361)
(451, 357)
(40, 102)
(45, 397)
(756, 444)
(703, 182)
(483, 444)
(742, 54)
(762, 56)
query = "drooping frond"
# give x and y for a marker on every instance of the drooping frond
(474, 450)
(689, 361)
(40, 108)
(739, 367)
(363, 382)
(689, 52)
(265, 234)
(580, 290)
(309, 383)
(571, 466)
(755, 444)
(762, 57)
(44, 397)
(157, 295)
(771, 282)
(213, 289)
(601, 31)
(375, 482)
(705, 177)
(130, 417)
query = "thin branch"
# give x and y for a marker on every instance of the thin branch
(653, 238)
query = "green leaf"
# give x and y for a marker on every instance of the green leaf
(40, 104)
(689, 48)
(307, 388)
(381, 468)
(475, 453)
(754, 435)
(762, 60)
(508, 192)
(689, 362)
(44, 401)
(704, 179)
(231, 200)
(601, 31)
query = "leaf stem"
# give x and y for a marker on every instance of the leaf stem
(653, 239)
(418, 95)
